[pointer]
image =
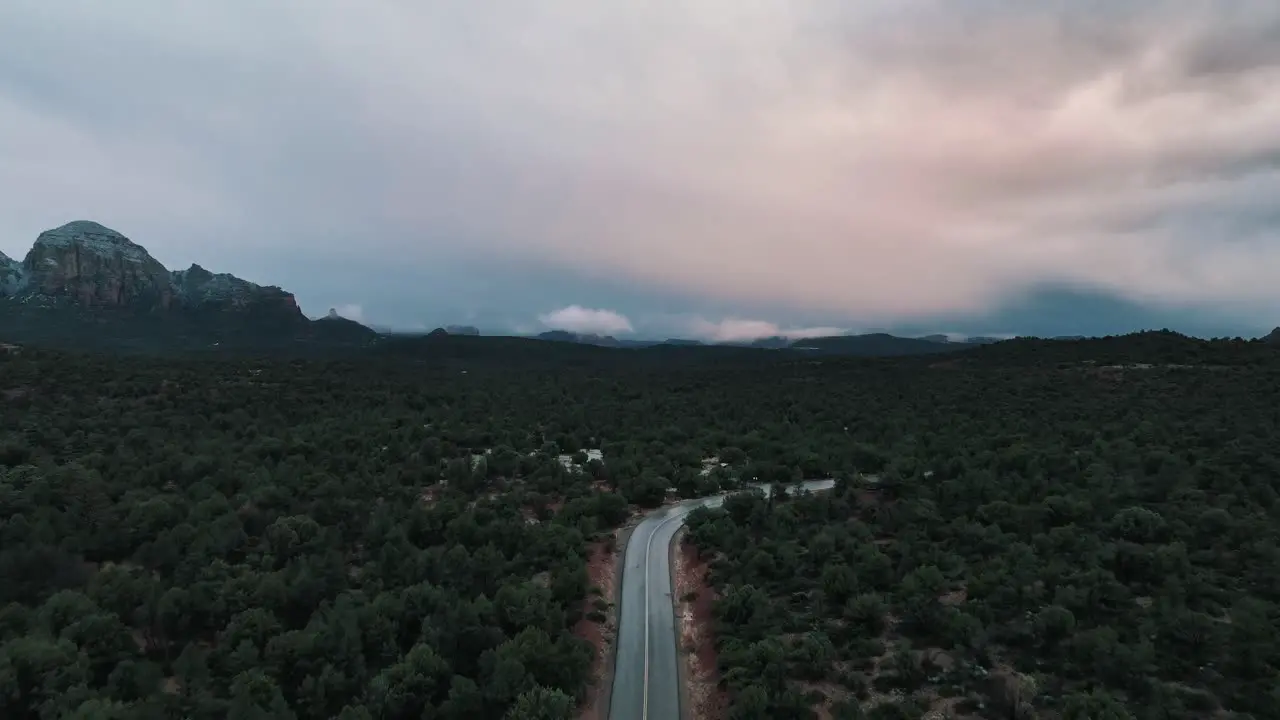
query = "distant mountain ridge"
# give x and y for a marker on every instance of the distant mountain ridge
(82, 283)
(871, 344)
(875, 345)
(596, 340)
(86, 286)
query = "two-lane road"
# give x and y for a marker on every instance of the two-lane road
(646, 679)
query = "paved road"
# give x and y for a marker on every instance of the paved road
(646, 679)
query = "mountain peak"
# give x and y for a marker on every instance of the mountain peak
(85, 227)
(201, 288)
(84, 277)
(95, 265)
(94, 237)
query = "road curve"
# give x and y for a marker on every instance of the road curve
(646, 679)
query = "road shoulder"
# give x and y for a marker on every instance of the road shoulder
(604, 636)
(700, 695)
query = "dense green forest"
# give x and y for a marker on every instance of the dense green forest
(405, 534)
(1040, 534)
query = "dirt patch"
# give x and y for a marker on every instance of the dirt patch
(868, 498)
(943, 708)
(944, 660)
(955, 597)
(536, 513)
(603, 570)
(831, 693)
(140, 640)
(704, 699)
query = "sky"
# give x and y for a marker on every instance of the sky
(720, 169)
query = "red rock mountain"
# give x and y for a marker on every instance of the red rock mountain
(97, 267)
(84, 286)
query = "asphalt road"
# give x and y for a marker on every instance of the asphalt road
(646, 678)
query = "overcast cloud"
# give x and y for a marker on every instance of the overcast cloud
(819, 163)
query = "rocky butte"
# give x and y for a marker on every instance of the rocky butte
(96, 266)
(86, 276)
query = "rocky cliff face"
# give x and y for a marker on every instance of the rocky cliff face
(12, 278)
(198, 288)
(96, 267)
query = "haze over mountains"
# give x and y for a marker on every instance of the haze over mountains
(85, 285)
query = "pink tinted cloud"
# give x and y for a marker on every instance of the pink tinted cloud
(906, 163)
(576, 318)
(879, 160)
(739, 330)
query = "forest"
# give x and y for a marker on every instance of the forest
(1046, 536)
(1027, 529)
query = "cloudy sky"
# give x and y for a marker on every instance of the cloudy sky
(719, 168)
